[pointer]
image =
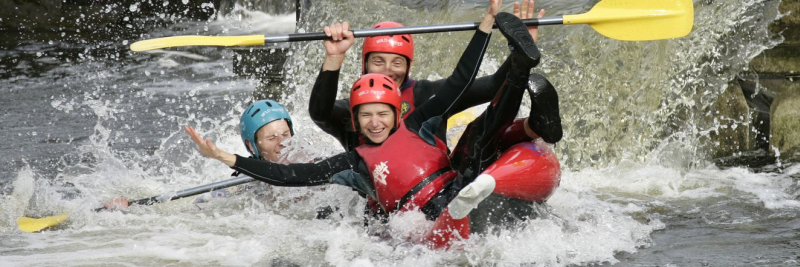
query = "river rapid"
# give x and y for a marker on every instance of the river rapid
(85, 120)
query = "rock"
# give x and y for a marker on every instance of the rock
(788, 25)
(759, 100)
(778, 75)
(728, 120)
(266, 6)
(782, 59)
(97, 20)
(785, 124)
(267, 65)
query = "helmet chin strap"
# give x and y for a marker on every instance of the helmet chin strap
(250, 148)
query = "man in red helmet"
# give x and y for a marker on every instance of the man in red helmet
(427, 181)
(392, 56)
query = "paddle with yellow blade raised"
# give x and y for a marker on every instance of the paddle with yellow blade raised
(30, 225)
(628, 20)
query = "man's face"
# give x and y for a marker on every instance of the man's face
(269, 139)
(376, 120)
(393, 65)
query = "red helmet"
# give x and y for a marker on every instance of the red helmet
(401, 44)
(374, 88)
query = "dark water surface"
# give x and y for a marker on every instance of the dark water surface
(83, 120)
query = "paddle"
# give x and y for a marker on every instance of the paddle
(627, 20)
(30, 225)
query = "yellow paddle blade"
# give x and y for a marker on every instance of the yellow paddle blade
(31, 225)
(196, 40)
(638, 20)
(462, 118)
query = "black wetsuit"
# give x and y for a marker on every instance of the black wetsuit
(333, 116)
(423, 121)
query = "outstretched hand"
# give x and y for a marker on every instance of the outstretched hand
(118, 203)
(208, 149)
(527, 12)
(491, 13)
(494, 7)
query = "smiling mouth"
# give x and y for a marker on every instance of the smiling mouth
(376, 131)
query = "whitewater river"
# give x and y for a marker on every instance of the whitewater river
(85, 120)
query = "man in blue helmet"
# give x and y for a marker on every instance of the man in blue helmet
(264, 125)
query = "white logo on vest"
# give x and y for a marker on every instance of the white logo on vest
(380, 172)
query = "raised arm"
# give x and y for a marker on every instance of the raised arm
(331, 115)
(298, 174)
(485, 88)
(463, 75)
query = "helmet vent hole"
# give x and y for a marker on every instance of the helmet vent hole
(356, 88)
(387, 87)
(254, 113)
(371, 83)
(406, 38)
(269, 104)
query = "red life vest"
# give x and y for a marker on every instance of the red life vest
(406, 171)
(407, 99)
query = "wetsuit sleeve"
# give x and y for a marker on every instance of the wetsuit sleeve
(454, 87)
(297, 174)
(482, 90)
(331, 115)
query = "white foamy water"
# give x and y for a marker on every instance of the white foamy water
(98, 127)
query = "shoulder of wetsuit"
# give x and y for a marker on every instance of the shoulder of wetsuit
(423, 91)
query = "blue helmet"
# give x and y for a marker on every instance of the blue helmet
(257, 115)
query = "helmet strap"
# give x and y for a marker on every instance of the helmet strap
(252, 150)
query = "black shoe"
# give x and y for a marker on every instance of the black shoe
(519, 40)
(544, 118)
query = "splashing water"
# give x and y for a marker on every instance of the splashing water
(87, 124)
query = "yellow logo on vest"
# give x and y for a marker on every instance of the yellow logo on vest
(380, 172)
(404, 107)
